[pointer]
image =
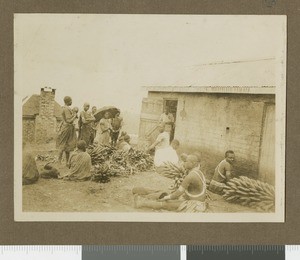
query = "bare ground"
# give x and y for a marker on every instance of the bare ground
(54, 195)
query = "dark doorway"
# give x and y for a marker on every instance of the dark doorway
(171, 104)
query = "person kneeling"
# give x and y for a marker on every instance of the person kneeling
(193, 189)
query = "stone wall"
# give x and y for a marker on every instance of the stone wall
(45, 129)
(45, 122)
(28, 125)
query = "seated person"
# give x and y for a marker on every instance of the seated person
(222, 174)
(183, 157)
(193, 188)
(79, 163)
(173, 151)
(124, 144)
(30, 173)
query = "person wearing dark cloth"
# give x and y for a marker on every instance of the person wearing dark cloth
(86, 119)
(222, 174)
(192, 188)
(66, 138)
(116, 125)
(30, 173)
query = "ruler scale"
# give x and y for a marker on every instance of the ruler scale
(152, 252)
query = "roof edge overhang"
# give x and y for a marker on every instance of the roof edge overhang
(213, 89)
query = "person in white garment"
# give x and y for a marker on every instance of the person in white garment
(161, 145)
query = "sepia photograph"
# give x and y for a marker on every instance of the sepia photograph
(149, 118)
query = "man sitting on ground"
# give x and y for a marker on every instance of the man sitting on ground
(223, 173)
(193, 188)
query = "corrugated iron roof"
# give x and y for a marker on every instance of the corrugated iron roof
(214, 89)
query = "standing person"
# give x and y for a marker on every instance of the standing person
(161, 146)
(66, 139)
(103, 130)
(94, 110)
(86, 120)
(222, 174)
(192, 188)
(116, 125)
(167, 118)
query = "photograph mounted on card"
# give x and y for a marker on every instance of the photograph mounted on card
(149, 118)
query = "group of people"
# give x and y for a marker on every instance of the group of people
(193, 187)
(105, 132)
(85, 127)
(76, 133)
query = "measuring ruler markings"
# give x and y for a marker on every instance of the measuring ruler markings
(151, 252)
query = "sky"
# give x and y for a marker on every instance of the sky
(106, 59)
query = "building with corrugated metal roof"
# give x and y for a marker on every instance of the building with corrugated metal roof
(214, 119)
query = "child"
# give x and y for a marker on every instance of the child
(75, 112)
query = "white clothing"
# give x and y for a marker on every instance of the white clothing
(167, 154)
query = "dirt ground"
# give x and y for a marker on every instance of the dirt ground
(56, 195)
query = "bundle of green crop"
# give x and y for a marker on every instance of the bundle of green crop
(120, 158)
(101, 173)
(109, 162)
(140, 160)
(173, 171)
(252, 193)
(100, 153)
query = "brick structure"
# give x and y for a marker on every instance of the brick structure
(41, 117)
(29, 129)
(212, 123)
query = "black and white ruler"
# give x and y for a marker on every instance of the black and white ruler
(151, 252)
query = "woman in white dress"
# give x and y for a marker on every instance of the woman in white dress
(163, 150)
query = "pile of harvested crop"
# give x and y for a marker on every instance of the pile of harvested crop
(109, 162)
(101, 173)
(140, 160)
(173, 171)
(252, 193)
(100, 153)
